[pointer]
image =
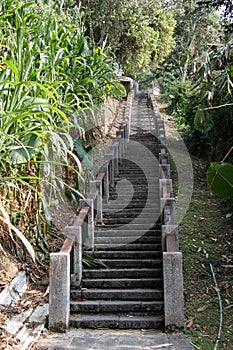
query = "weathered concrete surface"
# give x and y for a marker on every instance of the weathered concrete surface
(59, 296)
(26, 328)
(14, 291)
(173, 290)
(108, 339)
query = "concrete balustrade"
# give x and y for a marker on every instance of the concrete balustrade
(88, 223)
(59, 291)
(173, 291)
(164, 171)
(96, 187)
(172, 258)
(82, 230)
(169, 230)
(108, 158)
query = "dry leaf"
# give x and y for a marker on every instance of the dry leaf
(26, 243)
(189, 323)
(201, 309)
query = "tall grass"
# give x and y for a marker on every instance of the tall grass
(51, 81)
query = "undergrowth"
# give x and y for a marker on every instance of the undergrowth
(205, 237)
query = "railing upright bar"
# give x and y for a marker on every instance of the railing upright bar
(89, 243)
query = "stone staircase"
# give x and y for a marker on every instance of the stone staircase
(124, 289)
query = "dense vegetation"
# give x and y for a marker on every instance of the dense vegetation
(197, 80)
(51, 81)
(59, 62)
(139, 32)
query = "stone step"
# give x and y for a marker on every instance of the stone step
(118, 294)
(130, 215)
(132, 262)
(114, 283)
(116, 322)
(135, 182)
(131, 206)
(124, 239)
(121, 273)
(113, 254)
(130, 227)
(120, 221)
(136, 175)
(128, 247)
(138, 180)
(123, 232)
(109, 306)
(137, 199)
(131, 188)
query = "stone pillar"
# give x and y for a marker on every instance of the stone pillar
(76, 233)
(59, 291)
(173, 291)
(164, 171)
(90, 222)
(98, 207)
(105, 169)
(110, 159)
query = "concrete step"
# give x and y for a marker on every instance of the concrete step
(113, 254)
(120, 221)
(116, 322)
(131, 211)
(118, 294)
(133, 262)
(132, 206)
(109, 306)
(122, 273)
(130, 215)
(120, 247)
(130, 227)
(134, 197)
(124, 239)
(119, 233)
(114, 283)
(111, 215)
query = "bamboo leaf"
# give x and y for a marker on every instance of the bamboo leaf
(12, 67)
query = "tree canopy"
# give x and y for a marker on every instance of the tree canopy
(226, 6)
(139, 32)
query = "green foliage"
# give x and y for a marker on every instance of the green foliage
(202, 105)
(220, 179)
(139, 32)
(179, 96)
(195, 30)
(226, 6)
(51, 80)
(82, 152)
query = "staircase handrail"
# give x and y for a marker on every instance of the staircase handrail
(172, 257)
(66, 265)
